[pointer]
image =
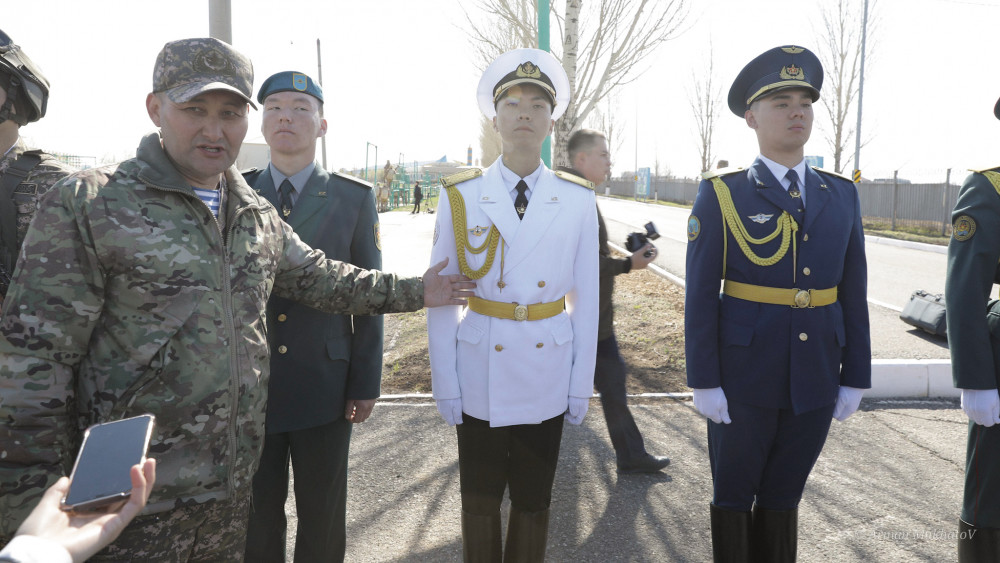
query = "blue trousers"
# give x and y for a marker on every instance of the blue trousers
(609, 379)
(765, 455)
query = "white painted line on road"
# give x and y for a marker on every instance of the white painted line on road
(886, 305)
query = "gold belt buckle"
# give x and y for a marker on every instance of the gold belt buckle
(802, 298)
(520, 312)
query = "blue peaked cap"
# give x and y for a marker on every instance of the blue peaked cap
(289, 81)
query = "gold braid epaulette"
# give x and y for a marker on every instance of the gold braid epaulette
(730, 218)
(462, 238)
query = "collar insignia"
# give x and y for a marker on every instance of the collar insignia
(760, 218)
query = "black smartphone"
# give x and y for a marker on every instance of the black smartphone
(101, 473)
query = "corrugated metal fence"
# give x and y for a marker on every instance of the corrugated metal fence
(890, 204)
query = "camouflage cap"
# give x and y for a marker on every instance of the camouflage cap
(188, 67)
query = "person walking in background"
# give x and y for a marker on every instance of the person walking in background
(591, 160)
(520, 359)
(325, 369)
(417, 197)
(787, 347)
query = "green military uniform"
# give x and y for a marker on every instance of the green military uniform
(133, 298)
(973, 258)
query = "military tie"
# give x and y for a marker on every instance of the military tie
(285, 197)
(521, 201)
(793, 184)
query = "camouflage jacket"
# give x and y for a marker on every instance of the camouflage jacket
(27, 192)
(130, 299)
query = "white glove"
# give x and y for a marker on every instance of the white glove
(577, 409)
(712, 404)
(982, 406)
(451, 410)
(848, 399)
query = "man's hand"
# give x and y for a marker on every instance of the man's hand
(358, 410)
(577, 410)
(83, 534)
(453, 289)
(982, 406)
(848, 399)
(451, 410)
(712, 403)
(639, 258)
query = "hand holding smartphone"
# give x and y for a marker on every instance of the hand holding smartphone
(101, 473)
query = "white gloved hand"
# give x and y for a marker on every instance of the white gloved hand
(982, 406)
(848, 399)
(577, 409)
(712, 404)
(451, 410)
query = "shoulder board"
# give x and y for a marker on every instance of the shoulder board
(709, 174)
(985, 170)
(250, 170)
(353, 180)
(575, 179)
(831, 173)
(459, 177)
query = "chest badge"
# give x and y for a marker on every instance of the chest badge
(478, 231)
(761, 218)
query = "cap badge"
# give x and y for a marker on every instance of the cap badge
(299, 81)
(213, 60)
(792, 50)
(528, 69)
(791, 72)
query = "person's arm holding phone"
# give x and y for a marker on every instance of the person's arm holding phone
(52, 534)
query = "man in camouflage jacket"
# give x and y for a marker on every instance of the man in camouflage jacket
(134, 297)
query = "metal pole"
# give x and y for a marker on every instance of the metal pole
(944, 204)
(220, 20)
(861, 90)
(319, 75)
(543, 44)
(895, 196)
(366, 160)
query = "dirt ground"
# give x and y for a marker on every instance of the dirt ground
(649, 324)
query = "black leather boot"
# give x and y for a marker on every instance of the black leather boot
(527, 533)
(481, 538)
(730, 535)
(977, 545)
(775, 535)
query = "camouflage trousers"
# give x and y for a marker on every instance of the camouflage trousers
(213, 531)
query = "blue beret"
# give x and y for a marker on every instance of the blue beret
(289, 81)
(777, 69)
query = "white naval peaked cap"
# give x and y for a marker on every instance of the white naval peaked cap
(522, 66)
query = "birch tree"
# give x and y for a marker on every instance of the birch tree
(706, 104)
(601, 48)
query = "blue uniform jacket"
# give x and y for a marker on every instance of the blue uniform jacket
(776, 356)
(318, 360)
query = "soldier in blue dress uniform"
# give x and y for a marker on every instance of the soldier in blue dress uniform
(785, 348)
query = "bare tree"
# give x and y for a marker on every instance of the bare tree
(602, 48)
(840, 54)
(607, 120)
(706, 104)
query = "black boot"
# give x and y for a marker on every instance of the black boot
(527, 533)
(977, 545)
(481, 538)
(730, 535)
(775, 535)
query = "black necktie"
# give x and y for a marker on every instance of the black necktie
(793, 184)
(521, 201)
(285, 197)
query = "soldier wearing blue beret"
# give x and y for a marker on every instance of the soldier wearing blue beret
(327, 368)
(786, 346)
(975, 364)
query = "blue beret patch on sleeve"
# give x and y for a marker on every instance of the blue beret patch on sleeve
(694, 227)
(964, 228)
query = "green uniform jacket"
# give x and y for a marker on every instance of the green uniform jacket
(973, 255)
(131, 299)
